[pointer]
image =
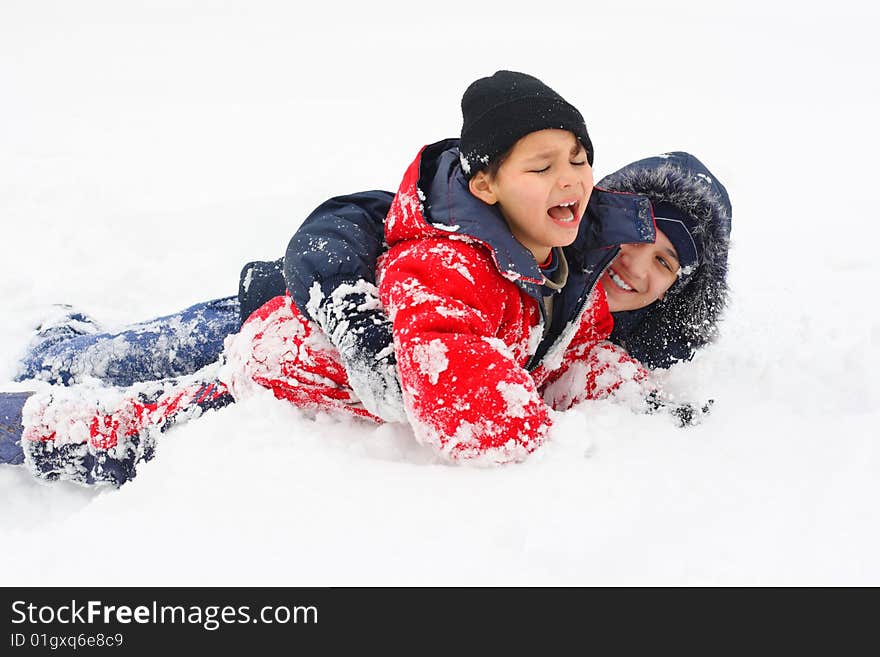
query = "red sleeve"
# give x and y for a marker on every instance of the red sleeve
(460, 334)
(590, 367)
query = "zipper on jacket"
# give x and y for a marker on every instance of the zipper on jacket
(532, 365)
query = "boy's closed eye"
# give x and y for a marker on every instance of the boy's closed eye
(578, 163)
(542, 162)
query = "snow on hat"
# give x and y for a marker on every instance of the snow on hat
(499, 110)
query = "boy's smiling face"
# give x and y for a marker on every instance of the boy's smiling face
(641, 274)
(542, 189)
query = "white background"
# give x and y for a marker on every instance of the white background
(149, 149)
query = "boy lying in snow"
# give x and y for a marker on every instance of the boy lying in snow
(498, 294)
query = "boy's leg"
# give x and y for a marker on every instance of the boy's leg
(99, 435)
(11, 404)
(175, 345)
(63, 323)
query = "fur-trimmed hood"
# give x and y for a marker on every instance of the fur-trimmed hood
(672, 330)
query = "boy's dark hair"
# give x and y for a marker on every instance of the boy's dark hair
(495, 163)
(499, 110)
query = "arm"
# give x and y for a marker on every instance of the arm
(337, 244)
(591, 367)
(460, 331)
(594, 368)
(330, 271)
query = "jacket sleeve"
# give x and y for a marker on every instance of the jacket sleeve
(338, 243)
(458, 327)
(591, 367)
(330, 270)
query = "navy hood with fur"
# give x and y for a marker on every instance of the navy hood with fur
(672, 330)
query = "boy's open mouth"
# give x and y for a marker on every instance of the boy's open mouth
(565, 213)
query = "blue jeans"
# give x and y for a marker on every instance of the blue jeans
(162, 348)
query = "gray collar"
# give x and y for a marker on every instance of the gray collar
(560, 274)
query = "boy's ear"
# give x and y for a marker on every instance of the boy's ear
(481, 187)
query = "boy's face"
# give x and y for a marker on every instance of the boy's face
(641, 274)
(542, 189)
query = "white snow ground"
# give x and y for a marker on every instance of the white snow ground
(148, 151)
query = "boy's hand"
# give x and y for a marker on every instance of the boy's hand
(685, 414)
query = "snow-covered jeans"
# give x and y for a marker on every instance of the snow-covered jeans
(171, 346)
(112, 393)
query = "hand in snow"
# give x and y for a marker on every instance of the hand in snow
(685, 414)
(356, 324)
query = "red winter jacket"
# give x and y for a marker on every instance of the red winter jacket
(478, 378)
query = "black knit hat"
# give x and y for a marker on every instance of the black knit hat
(501, 109)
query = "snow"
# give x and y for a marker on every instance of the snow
(516, 396)
(137, 180)
(431, 359)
